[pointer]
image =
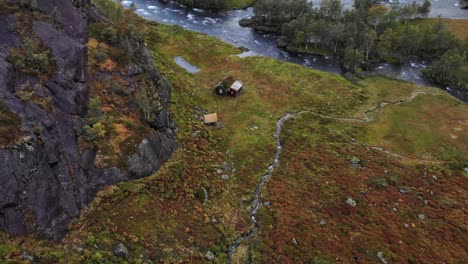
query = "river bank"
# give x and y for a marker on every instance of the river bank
(225, 26)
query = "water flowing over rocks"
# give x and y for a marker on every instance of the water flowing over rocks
(256, 203)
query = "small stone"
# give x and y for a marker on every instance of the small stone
(214, 220)
(225, 177)
(435, 177)
(351, 202)
(404, 190)
(294, 241)
(406, 225)
(77, 248)
(219, 171)
(394, 209)
(209, 256)
(121, 251)
(266, 204)
(380, 256)
(323, 222)
(466, 169)
(355, 162)
(421, 217)
(26, 256)
(196, 133)
(206, 194)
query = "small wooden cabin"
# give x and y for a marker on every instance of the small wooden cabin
(229, 87)
(210, 119)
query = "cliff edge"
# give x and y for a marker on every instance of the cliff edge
(52, 155)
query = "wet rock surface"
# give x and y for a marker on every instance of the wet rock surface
(45, 178)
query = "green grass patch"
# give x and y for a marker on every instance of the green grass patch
(429, 126)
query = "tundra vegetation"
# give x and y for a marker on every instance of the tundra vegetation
(367, 33)
(411, 151)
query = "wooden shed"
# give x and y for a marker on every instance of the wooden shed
(229, 87)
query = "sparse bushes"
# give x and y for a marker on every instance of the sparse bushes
(9, 124)
(380, 182)
(109, 35)
(100, 54)
(94, 128)
(95, 114)
(32, 57)
(116, 88)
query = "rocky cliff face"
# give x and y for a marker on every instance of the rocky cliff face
(46, 177)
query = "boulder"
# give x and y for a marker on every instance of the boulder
(121, 251)
(152, 153)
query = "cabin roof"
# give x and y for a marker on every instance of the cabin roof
(210, 118)
(236, 86)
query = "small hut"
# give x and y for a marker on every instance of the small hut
(229, 87)
(210, 119)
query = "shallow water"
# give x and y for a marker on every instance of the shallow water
(186, 65)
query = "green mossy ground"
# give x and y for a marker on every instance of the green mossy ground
(161, 218)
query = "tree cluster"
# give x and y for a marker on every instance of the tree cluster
(369, 32)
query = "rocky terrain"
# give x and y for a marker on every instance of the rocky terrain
(46, 175)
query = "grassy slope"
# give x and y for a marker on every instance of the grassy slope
(316, 178)
(161, 218)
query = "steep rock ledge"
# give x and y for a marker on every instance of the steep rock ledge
(46, 178)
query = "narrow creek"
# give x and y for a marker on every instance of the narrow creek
(256, 202)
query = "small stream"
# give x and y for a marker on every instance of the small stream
(256, 202)
(186, 65)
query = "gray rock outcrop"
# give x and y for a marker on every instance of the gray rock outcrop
(45, 178)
